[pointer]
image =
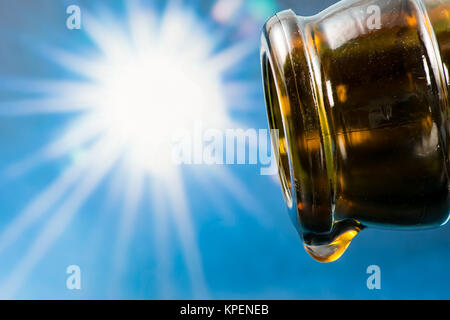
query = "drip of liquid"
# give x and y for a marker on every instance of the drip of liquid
(330, 247)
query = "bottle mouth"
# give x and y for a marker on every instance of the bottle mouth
(290, 94)
(324, 247)
(277, 128)
(274, 59)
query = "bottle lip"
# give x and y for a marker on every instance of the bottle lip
(283, 33)
(273, 54)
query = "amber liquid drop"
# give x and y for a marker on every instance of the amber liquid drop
(330, 247)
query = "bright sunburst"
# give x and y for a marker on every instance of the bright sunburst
(155, 76)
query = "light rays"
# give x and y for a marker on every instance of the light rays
(144, 81)
(105, 159)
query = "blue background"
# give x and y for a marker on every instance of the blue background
(249, 248)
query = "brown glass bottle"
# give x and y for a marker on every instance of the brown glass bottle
(359, 94)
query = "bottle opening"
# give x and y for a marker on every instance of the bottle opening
(275, 116)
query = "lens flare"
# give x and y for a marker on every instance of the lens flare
(156, 75)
